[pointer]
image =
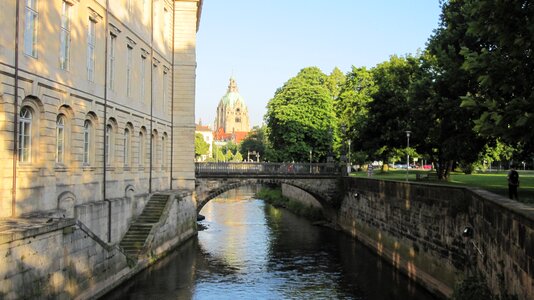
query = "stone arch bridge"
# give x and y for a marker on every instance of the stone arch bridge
(319, 180)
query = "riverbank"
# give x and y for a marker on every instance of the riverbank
(275, 197)
(495, 182)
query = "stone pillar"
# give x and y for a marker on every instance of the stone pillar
(185, 29)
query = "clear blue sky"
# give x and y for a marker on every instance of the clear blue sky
(264, 43)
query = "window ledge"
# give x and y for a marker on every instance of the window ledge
(88, 168)
(27, 167)
(60, 168)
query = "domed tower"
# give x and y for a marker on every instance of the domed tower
(232, 113)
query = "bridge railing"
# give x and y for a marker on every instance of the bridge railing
(266, 169)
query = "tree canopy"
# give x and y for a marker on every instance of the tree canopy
(301, 117)
(201, 147)
(467, 98)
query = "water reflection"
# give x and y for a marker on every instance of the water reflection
(252, 250)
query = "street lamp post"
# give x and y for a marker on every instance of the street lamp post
(310, 161)
(349, 150)
(407, 153)
(349, 166)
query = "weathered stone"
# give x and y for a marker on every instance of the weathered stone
(431, 222)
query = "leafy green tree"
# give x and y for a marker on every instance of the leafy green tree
(229, 146)
(446, 131)
(335, 82)
(257, 141)
(495, 151)
(352, 104)
(237, 157)
(229, 156)
(300, 117)
(501, 59)
(218, 154)
(389, 110)
(201, 147)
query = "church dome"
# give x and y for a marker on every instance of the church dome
(232, 96)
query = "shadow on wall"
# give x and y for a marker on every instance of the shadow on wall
(57, 266)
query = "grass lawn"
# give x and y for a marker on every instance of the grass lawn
(495, 182)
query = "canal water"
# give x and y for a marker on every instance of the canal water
(252, 250)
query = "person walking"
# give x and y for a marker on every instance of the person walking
(513, 183)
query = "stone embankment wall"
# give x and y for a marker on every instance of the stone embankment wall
(300, 195)
(64, 259)
(418, 228)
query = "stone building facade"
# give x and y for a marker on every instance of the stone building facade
(232, 112)
(96, 103)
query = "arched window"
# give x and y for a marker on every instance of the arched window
(25, 135)
(141, 152)
(87, 127)
(126, 147)
(60, 139)
(108, 153)
(153, 146)
(162, 152)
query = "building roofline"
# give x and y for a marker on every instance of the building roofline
(199, 12)
(199, 9)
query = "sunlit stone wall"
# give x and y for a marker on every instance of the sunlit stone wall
(418, 228)
(150, 98)
(64, 259)
(61, 262)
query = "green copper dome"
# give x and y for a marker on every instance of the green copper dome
(232, 95)
(231, 98)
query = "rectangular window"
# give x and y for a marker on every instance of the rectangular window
(91, 43)
(167, 27)
(25, 133)
(60, 139)
(162, 153)
(129, 71)
(86, 141)
(64, 37)
(144, 9)
(143, 63)
(141, 153)
(30, 28)
(112, 45)
(164, 94)
(108, 148)
(155, 83)
(126, 149)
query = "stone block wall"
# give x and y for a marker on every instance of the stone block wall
(300, 196)
(179, 225)
(504, 233)
(61, 261)
(418, 228)
(65, 259)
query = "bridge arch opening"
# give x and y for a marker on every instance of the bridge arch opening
(300, 191)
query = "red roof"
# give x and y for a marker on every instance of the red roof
(201, 128)
(235, 137)
(239, 136)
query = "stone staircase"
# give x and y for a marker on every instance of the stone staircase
(134, 240)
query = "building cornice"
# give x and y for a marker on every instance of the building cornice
(199, 9)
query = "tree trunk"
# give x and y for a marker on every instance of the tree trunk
(444, 169)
